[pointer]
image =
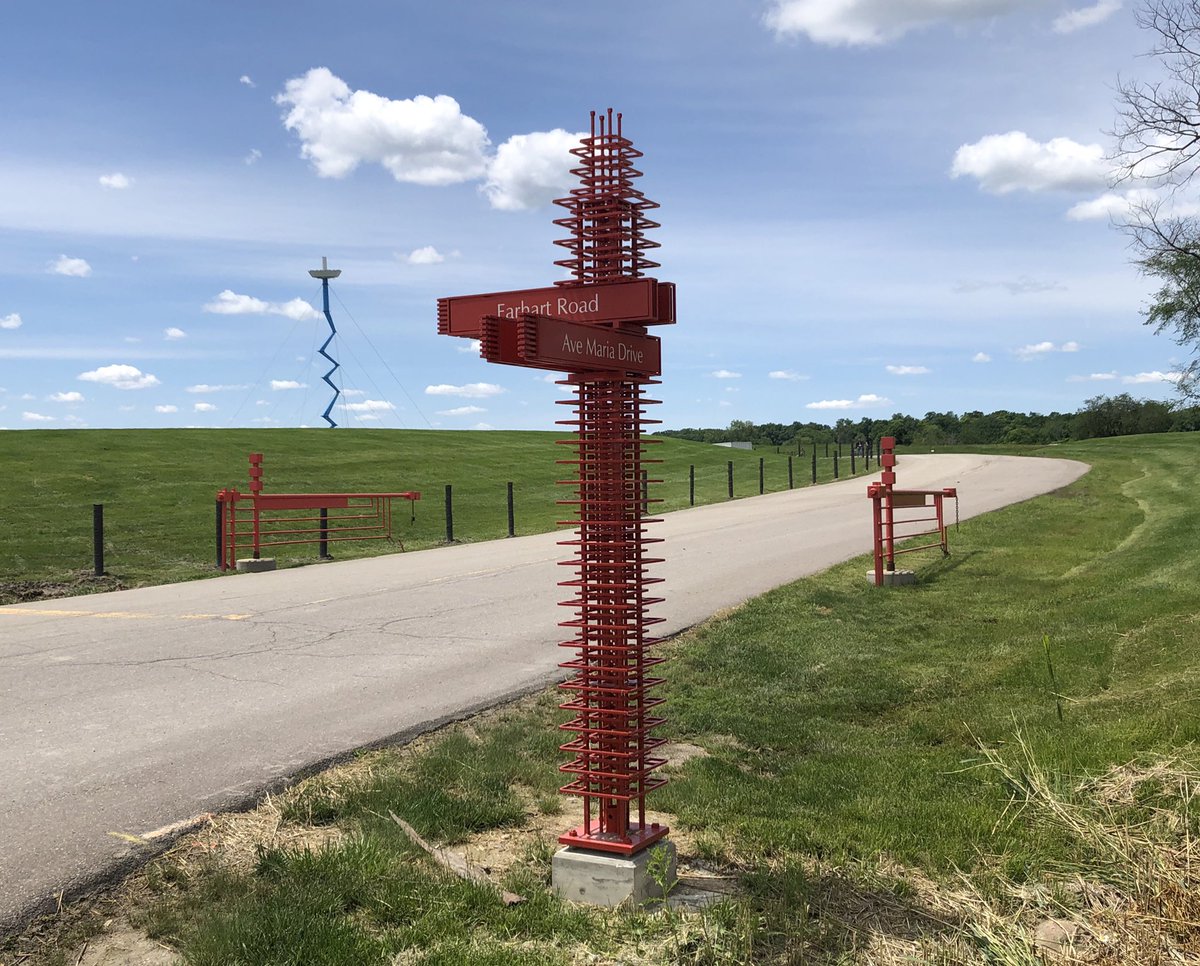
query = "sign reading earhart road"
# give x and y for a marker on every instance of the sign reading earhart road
(645, 301)
(542, 343)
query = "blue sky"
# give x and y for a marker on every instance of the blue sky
(868, 206)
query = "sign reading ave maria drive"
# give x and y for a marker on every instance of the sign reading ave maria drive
(541, 343)
(645, 301)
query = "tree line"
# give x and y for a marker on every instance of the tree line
(1101, 416)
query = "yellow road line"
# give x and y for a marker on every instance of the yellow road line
(122, 615)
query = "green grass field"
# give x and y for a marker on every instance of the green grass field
(909, 775)
(158, 488)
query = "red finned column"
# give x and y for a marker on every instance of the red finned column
(593, 326)
(613, 698)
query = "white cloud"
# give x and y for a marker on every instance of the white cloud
(1093, 377)
(424, 140)
(204, 407)
(231, 303)
(28, 397)
(166, 409)
(116, 181)
(872, 22)
(1003, 163)
(253, 157)
(36, 418)
(471, 346)
(73, 267)
(245, 79)
(867, 399)
(472, 390)
(297, 309)
(1156, 376)
(1082, 17)
(73, 420)
(907, 370)
(981, 357)
(12, 321)
(352, 393)
(67, 397)
(425, 256)
(725, 374)
(278, 384)
(1022, 285)
(462, 411)
(1112, 205)
(1036, 349)
(483, 426)
(530, 170)
(171, 333)
(370, 406)
(204, 387)
(785, 374)
(120, 377)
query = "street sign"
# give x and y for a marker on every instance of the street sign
(645, 301)
(543, 343)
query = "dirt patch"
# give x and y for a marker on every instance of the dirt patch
(680, 752)
(75, 585)
(121, 945)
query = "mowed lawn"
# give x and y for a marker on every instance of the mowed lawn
(922, 774)
(158, 489)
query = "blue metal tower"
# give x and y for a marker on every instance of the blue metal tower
(325, 273)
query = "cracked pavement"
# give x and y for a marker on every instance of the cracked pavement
(125, 712)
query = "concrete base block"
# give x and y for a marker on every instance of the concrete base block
(252, 566)
(604, 879)
(895, 578)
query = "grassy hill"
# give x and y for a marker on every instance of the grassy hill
(158, 488)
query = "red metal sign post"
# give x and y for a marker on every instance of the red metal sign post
(593, 327)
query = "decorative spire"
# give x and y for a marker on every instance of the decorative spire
(606, 220)
(325, 273)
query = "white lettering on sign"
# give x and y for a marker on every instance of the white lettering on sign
(572, 345)
(516, 311)
(568, 306)
(601, 350)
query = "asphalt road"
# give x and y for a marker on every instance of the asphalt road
(126, 712)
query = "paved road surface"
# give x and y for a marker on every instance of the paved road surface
(128, 711)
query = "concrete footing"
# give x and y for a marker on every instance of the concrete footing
(894, 578)
(604, 879)
(252, 566)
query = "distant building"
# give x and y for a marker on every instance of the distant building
(736, 445)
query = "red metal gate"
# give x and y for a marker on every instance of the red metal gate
(257, 520)
(889, 527)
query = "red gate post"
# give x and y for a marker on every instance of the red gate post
(888, 479)
(874, 492)
(256, 486)
(593, 327)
